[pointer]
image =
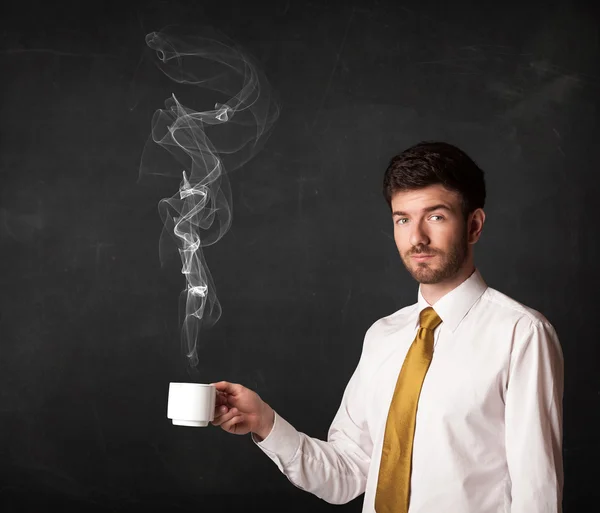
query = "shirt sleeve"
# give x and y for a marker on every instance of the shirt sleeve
(334, 470)
(534, 423)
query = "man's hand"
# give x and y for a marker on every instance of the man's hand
(239, 410)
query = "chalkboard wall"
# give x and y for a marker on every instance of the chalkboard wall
(90, 320)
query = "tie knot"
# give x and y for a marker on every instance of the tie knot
(429, 319)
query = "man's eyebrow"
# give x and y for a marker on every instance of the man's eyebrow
(439, 206)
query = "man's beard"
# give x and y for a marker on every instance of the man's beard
(448, 264)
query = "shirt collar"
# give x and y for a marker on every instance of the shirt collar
(453, 306)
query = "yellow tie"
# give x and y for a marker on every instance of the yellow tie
(393, 486)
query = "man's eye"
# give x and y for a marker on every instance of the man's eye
(399, 221)
(437, 216)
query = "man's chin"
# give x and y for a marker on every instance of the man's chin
(426, 279)
(425, 274)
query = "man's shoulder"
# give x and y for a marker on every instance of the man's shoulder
(522, 325)
(395, 321)
(507, 309)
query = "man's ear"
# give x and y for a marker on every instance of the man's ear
(476, 222)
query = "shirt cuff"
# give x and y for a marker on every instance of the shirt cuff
(281, 444)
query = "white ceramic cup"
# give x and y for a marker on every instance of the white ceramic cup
(191, 404)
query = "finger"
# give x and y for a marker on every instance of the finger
(221, 399)
(221, 410)
(231, 424)
(227, 387)
(225, 417)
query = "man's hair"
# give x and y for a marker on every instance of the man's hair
(430, 163)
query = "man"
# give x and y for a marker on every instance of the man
(485, 371)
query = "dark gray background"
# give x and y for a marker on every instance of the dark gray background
(89, 328)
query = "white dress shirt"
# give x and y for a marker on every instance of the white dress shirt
(488, 435)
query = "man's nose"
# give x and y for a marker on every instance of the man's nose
(418, 236)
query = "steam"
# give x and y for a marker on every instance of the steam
(200, 212)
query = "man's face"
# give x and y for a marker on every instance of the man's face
(430, 222)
